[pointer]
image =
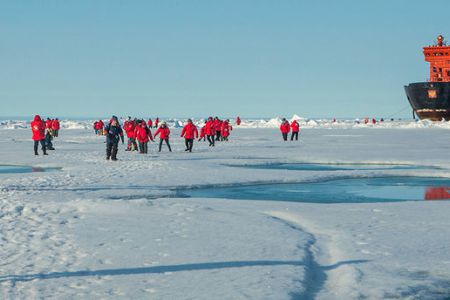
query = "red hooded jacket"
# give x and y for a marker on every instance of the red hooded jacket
(226, 128)
(143, 134)
(285, 127)
(295, 126)
(217, 125)
(38, 128)
(189, 131)
(203, 131)
(238, 121)
(209, 128)
(150, 123)
(129, 128)
(163, 132)
(48, 124)
(100, 125)
(55, 125)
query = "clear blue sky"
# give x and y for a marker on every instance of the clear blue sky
(198, 58)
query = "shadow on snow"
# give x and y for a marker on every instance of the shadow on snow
(169, 268)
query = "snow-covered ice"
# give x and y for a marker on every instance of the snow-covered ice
(101, 229)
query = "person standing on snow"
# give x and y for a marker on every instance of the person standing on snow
(285, 127)
(129, 127)
(295, 127)
(150, 123)
(164, 133)
(217, 127)
(190, 133)
(143, 135)
(203, 132)
(55, 126)
(238, 121)
(156, 122)
(38, 130)
(49, 134)
(113, 133)
(210, 131)
(225, 130)
(100, 126)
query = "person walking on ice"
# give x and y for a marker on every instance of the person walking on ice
(190, 133)
(113, 133)
(143, 135)
(295, 127)
(225, 130)
(210, 131)
(38, 130)
(285, 127)
(164, 133)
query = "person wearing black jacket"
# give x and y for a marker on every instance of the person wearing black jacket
(113, 133)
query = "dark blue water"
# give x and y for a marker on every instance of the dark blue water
(7, 169)
(332, 167)
(355, 190)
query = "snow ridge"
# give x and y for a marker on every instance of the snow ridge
(322, 279)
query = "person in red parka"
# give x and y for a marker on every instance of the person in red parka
(156, 122)
(238, 121)
(285, 127)
(49, 134)
(210, 131)
(225, 130)
(217, 128)
(295, 127)
(164, 133)
(129, 127)
(143, 135)
(190, 133)
(48, 123)
(100, 126)
(38, 130)
(150, 123)
(203, 133)
(55, 127)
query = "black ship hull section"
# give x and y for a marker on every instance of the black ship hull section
(430, 100)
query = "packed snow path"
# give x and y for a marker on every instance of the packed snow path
(117, 230)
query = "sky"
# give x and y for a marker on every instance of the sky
(199, 58)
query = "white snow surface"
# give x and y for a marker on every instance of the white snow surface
(102, 229)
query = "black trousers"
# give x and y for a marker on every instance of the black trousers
(285, 136)
(48, 140)
(111, 149)
(210, 140)
(218, 135)
(143, 147)
(294, 134)
(189, 144)
(161, 142)
(36, 143)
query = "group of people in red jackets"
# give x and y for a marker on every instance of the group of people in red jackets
(43, 133)
(287, 127)
(215, 130)
(139, 133)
